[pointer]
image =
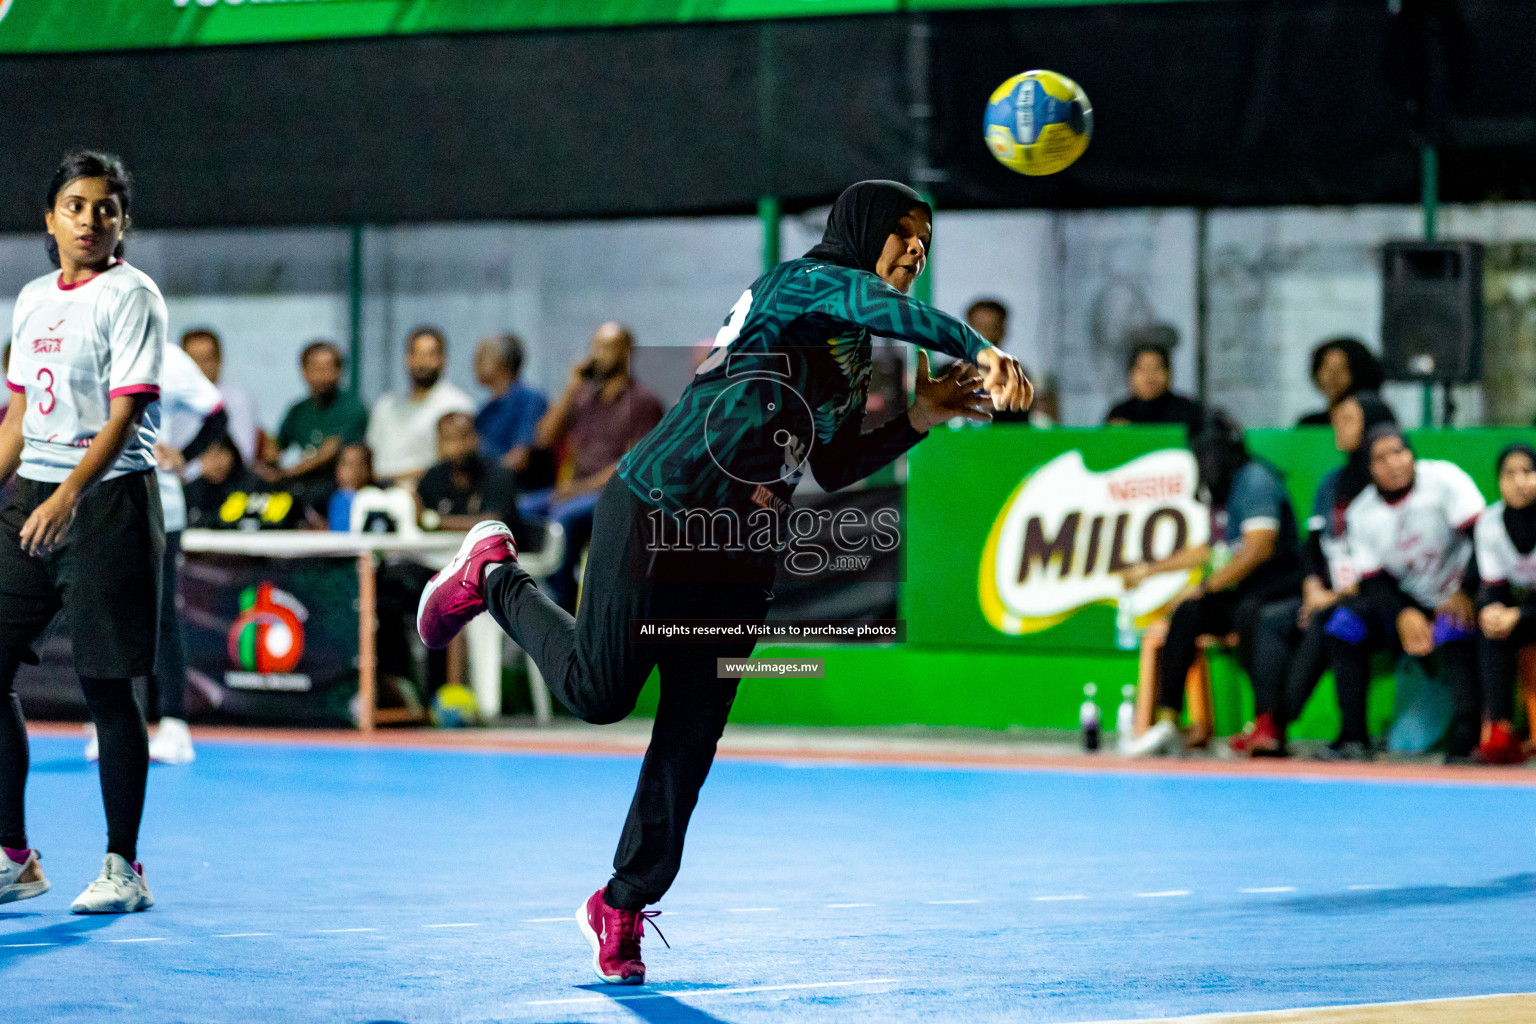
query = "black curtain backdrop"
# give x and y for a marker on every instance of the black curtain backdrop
(1243, 103)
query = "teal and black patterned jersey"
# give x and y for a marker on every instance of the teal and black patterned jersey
(784, 390)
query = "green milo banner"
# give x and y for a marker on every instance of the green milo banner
(1015, 536)
(54, 26)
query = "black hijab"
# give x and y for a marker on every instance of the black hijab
(1356, 475)
(863, 217)
(1520, 523)
(1376, 434)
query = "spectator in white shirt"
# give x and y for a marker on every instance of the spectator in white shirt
(402, 429)
(207, 351)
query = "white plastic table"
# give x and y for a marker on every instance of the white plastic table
(483, 636)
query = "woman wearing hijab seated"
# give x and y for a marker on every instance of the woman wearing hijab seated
(1410, 538)
(783, 390)
(1252, 515)
(1290, 652)
(1506, 560)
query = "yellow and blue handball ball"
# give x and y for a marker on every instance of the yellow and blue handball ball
(1038, 122)
(454, 707)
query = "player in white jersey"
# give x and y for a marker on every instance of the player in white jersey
(1410, 535)
(187, 395)
(1506, 561)
(82, 532)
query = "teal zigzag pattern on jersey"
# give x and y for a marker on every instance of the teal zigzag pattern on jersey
(790, 369)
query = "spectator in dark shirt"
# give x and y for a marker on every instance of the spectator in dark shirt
(989, 318)
(1149, 374)
(1341, 367)
(223, 473)
(466, 488)
(320, 426)
(601, 415)
(508, 423)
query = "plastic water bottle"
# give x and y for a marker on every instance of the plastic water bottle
(1088, 717)
(1125, 717)
(1126, 636)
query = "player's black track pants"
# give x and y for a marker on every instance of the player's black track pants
(1498, 661)
(1287, 661)
(593, 668)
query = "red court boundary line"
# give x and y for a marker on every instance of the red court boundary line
(1269, 768)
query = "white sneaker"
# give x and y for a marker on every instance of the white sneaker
(120, 889)
(1162, 740)
(172, 743)
(21, 881)
(92, 749)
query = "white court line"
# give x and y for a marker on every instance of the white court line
(340, 931)
(546, 920)
(1054, 899)
(1305, 1012)
(151, 938)
(751, 910)
(847, 906)
(1160, 895)
(27, 945)
(1271, 888)
(1373, 887)
(945, 903)
(710, 992)
(457, 924)
(242, 935)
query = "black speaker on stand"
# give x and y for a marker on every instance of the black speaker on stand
(1432, 313)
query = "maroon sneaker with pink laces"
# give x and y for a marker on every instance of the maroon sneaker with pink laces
(614, 936)
(457, 594)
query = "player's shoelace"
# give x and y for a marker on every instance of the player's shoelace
(630, 931)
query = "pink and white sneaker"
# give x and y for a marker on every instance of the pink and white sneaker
(456, 595)
(614, 936)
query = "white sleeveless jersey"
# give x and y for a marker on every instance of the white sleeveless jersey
(184, 393)
(73, 349)
(1417, 540)
(1498, 560)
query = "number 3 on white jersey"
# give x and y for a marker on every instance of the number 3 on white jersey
(729, 332)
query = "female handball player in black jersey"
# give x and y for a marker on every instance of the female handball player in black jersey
(81, 531)
(783, 390)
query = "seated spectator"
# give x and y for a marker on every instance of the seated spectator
(1290, 650)
(403, 429)
(1252, 515)
(601, 415)
(1410, 536)
(1341, 367)
(1149, 374)
(207, 351)
(1506, 560)
(508, 423)
(223, 473)
(316, 428)
(354, 471)
(989, 318)
(465, 488)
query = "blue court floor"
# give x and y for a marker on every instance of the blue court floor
(309, 883)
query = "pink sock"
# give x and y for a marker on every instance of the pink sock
(17, 856)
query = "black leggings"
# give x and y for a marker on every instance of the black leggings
(1499, 663)
(1351, 661)
(591, 664)
(168, 685)
(1219, 612)
(124, 765)
(1287, 661)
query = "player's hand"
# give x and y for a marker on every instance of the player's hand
(943, 398)
(1498, 621)
(1005, 381)
(1135, 575)
(46, 527)
(1459, 609)
(169, 459)
(1415, 632)
(1314, 598)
